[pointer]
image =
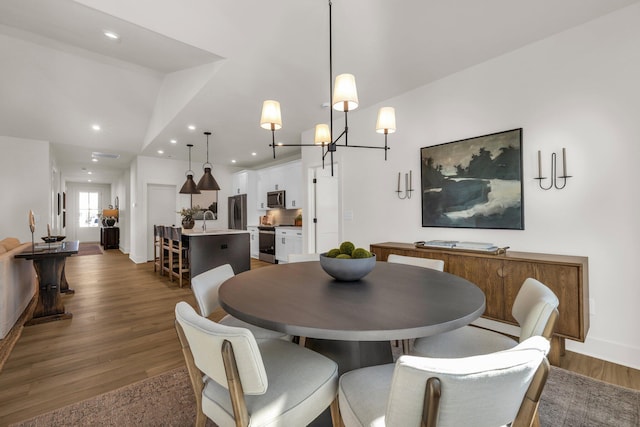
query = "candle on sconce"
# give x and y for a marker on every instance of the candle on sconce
(398, 182)
(564, 162)
(406, 182)
(410, 181)
(539, 164)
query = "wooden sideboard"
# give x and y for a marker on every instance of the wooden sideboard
(500, 277)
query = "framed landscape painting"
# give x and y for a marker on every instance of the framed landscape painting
(474, 183)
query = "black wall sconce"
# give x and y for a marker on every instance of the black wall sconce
(554, 175)
(408, 186)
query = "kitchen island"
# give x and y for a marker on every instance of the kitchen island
(213, 248)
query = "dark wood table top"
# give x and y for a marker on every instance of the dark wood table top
(49, 250)
(394, 301)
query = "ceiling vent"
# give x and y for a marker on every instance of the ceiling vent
(105, 155)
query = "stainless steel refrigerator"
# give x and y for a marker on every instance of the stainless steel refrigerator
(238, 212)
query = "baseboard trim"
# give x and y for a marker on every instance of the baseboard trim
(593, 347)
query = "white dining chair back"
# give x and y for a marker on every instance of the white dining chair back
(238, 381)
(488, 390)
(205, 287)
(303, 257)
(435, 264)
(534, 307)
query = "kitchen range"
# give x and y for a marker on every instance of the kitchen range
(267, 243)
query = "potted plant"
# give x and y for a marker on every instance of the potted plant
(187, 216)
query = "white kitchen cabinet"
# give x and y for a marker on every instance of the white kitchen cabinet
(263, 179)
(296, 242)
(282, 249)
(254, 242)
(293, 185)
(240, 183)
(288, 241)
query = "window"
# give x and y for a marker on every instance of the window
(88, 209)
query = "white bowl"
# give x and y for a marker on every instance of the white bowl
(347, 270)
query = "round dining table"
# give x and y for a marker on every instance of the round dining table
(352, 322)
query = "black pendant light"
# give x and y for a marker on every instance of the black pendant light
(208, 182)
(189, 186)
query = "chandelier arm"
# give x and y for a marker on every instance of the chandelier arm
(346, 129)
(273, 139)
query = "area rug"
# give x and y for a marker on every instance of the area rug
(568, 400)
(89, 249)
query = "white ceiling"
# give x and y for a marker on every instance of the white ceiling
(211, 63)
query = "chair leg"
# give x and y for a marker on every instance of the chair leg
(336, 419)
(405, 346)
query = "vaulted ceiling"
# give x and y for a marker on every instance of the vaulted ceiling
(211, 63)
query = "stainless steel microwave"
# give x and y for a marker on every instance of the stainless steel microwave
(275, 199)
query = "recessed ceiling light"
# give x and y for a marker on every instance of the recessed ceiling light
(89, 172)
(173, 141)
(111, 35)
(254, 154)
(94, 160)
(88, 180)
(191, 127)
(95, 127)
(233, 161)
(160, 152)
(279, 143)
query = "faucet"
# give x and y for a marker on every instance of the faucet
(204, 219)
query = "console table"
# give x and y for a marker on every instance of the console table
(501, 276)
(110, 237)
(48, 262)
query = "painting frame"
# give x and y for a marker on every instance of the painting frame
(474, 182)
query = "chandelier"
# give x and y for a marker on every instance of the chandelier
(344, 97)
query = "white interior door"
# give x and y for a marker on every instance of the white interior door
(325, 201)
(161, 210)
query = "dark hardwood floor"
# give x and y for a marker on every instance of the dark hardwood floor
(122, 331)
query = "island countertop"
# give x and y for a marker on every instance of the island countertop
(214, 232)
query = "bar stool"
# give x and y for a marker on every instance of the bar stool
(158, 252)
(167, 254)
(179, 255)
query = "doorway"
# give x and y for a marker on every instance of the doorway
(161, 210)
(84, 207)
(323, 200)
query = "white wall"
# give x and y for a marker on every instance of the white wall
(149, 170)
(25, 168)
(579, 90)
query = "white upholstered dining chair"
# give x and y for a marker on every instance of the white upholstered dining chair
(434, 264)
(535, 309)
(205, 289)
(303, 257)
(238, 381)
(487, 390)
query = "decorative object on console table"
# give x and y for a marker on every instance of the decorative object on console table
(554, 177)
(474, 183)
(500, 278)
(485, 248)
